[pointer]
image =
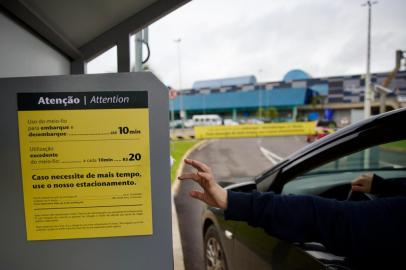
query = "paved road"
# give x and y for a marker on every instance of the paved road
(230, 160)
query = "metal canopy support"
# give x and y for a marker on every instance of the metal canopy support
(41, 27)
(123, 54)
(138, 52)
(78, 67)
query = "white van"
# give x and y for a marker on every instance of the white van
(207, 120)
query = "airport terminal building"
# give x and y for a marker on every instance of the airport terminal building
(295, 97)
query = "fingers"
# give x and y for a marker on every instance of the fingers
(369, 175)
(358, 180)
(203, 179)
(205, 176)
(355, 182)
(362, 183)
(200, 166)
(196, 194)
(366, 176)
(192, 176)
(358, 188)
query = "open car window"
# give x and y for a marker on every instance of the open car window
(333, 179)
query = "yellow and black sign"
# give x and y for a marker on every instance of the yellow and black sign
(85, 164)
(261, 130)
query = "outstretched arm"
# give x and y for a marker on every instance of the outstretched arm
(293, 218)
(361, 230)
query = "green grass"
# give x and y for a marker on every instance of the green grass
(399, 146)
(178, 149)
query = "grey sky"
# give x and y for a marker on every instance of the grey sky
(267, 38)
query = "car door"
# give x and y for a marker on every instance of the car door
(255, 249)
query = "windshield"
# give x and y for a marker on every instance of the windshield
(380, 157)
(332, 179)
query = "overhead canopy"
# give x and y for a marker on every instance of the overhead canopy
(82, 29)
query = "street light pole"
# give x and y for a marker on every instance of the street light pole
(181, 112)
(138, 51)
(367, 95)
(260, 100)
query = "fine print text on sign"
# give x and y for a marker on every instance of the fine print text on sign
(85, 164)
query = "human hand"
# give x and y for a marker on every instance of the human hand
(213, 194)
(362, 183)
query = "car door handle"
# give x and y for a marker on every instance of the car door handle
(228, 234)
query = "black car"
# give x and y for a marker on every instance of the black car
(324, 168)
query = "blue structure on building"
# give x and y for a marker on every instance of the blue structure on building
(295, 75)
(244, 100)
(243, 96)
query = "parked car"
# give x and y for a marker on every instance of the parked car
(230, 122)
(323, 128)
(324, 168)
(189, 123)
(254, 121)
(175, 124)
(207, 120)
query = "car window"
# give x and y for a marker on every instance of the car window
(386, 160)
(374, 158)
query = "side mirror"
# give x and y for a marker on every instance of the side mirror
(243, 187)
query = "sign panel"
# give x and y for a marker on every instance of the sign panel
(85, 164)
(261, 130)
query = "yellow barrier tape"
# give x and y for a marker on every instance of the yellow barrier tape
(260, 130)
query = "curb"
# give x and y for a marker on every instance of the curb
(181, 137)
(178, 262)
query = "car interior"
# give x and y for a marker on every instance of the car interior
(333, 180)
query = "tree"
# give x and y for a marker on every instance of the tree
(267, 113)
(318, 99)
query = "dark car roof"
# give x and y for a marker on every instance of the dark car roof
(376, 129)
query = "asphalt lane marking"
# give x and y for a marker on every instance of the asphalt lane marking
(395, 166)
(274, 158)
(203, 145)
